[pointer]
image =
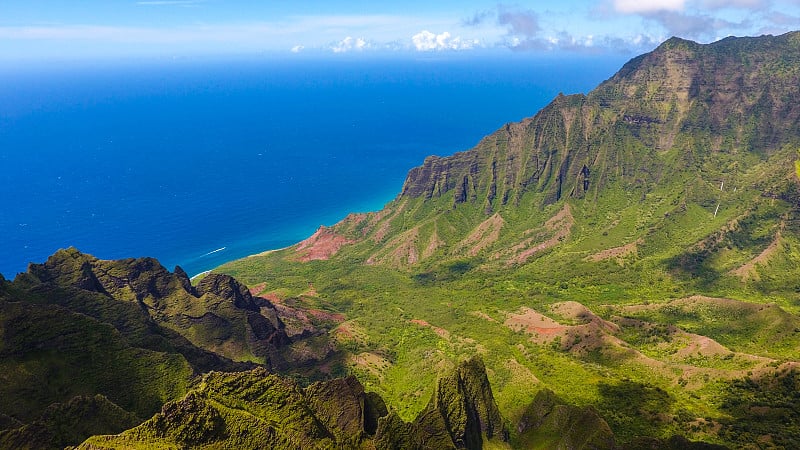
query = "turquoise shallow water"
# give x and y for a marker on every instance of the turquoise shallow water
(201, 162)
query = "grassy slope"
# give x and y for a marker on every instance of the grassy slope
(675, 207)
(468, 300)
(60, 368)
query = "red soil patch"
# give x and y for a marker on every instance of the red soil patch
(272, 297)
(594, 334)
(433, 245)
(616, 252)
(540, 330)
(311, 292)
(355, 218)
(345, 331)
(404, 250)
(531, 322)
(257, 289)
(323, 244)
(702, 345)
(559, 225)
(388, 214)
(440, 331)
(483, 235)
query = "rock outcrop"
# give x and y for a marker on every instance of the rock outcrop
(673, 123)
(219, 315)
(256, 409)
(681, 87)
(79, 334)
(548, 422)
(462, 414)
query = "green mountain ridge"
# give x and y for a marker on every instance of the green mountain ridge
(641, 240)
(125, 337)
(618, 271)
(261, 410)
(685, 116)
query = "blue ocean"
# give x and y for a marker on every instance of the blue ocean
(198, 162)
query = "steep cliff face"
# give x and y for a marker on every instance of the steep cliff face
(463, 409)
(462, 413)
(674, 123)
(732, 96)
(545, 154)
(737, 89)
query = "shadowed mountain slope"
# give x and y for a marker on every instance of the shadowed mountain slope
(260, 410)
(90, 346)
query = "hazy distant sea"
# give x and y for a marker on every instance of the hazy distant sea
(201, 162)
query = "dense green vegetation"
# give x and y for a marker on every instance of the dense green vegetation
(634, 250)
(257, 409)
(90, 346)
(625, 264)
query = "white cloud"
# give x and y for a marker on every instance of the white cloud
(297, 49)
(349, 44)
(648, 6)
(425, 41)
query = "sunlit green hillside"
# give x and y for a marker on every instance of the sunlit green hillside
(635, 249)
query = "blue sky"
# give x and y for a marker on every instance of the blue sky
(57, 29)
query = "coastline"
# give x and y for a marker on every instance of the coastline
(205, 272)
(366, 154)
(267, 252)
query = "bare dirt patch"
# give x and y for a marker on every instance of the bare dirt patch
(326, 315)
(349, 331)
(257, 289)
(402, 250)
(484, 235)
(433, 244)
(273, 297)
(618, 253)
(444, 334)
(321, 245)
(577, 312)
(557, 228)
(701, 345)
(533, 322)
(384, 217)
(593, 333)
